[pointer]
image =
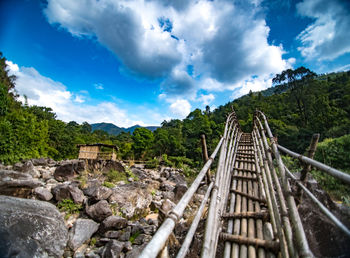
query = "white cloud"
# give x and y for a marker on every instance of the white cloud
(224, 42)
(68, 106)
(206, 99)
(79, 99)
(98, 86)
(254, 85)
(180, 108)
(329, 36)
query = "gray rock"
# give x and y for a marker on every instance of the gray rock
(132, 199)
(169, 195)
(112, 249)
(43, 194)
(82, 231)
(91, 187)
(167, 186)
(167, 206)
(68, 191)
(127, 246)
(101, 193)
(99, 211)
(68, 171)
(17, 184)
(112, 234)
(113, 223)
(139, 173)
(42, 161)
(135, 252)
(31, 228)
(26, 166)
(125, 236)
(179, 191)
(140, 239)
(92, 254)
(177, 178)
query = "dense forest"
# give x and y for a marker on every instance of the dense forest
(301, 103)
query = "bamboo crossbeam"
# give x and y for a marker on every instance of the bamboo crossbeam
(268, 244)
(248, 214)
(246, 170)
(248, 196)
(243, 160)
(245, 178)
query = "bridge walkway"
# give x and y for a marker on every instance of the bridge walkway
(247, 209)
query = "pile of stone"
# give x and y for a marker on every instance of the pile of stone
(107, 222)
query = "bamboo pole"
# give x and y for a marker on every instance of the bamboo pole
(301, 241)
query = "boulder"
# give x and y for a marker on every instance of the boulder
(68, 171)
(179, 191)
(125, 236)
(31, 228)
(17, 184)
(112, 234)
(42, 161)
(68, 191)
(132, 199)
(101, 193)
(81, 231)
(112, 249)
(177, 178)
(43, 194)
(139, 173)
(91, 187)
(325, 239)
(113, 223)
(99, 211)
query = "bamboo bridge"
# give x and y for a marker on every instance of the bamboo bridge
(251, 206)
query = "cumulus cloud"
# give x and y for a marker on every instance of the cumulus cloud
(180, 108)
(253, 84)
(329, 36)
(206, 99)
(189, 45)
(68, 106)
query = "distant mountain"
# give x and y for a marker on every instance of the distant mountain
(115, 130)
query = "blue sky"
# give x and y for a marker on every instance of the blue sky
(145, 61)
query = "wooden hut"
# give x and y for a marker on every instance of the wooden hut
(98, 151)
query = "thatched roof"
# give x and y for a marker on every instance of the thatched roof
(99, 145)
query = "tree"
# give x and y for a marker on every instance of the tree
(296, 80)
(143, 139)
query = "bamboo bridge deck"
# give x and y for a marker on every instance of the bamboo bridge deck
(251, 208)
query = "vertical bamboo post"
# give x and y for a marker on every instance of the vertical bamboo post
(205, 156)
(307, 167)
(310, 154)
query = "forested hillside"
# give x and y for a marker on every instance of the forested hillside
(303, 104)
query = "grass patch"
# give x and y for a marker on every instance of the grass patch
(108, 184)
(114, 176)
(69, 207)
(134, 236)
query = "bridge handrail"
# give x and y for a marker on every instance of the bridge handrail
(299, 234)
(324, 209)
(329, 170)
(160, 238)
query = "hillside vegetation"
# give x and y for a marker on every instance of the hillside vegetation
(301, 104)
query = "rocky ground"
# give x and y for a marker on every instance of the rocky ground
(78, 208)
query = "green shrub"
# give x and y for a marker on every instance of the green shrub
(152, 163)
(69, 207)
(108, 184)
(114, 176)
(129, 173)
(134, 236)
